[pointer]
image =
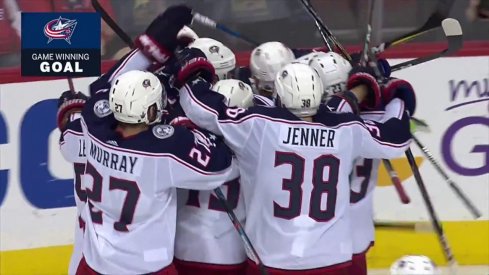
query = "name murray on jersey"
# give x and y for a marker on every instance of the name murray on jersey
(113, 160)
(308, 136)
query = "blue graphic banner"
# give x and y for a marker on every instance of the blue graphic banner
(61, 44)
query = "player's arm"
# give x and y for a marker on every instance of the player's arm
(392, 137)
(71, 141)
(364, 93)
(206, 108)
(154, 47)
(204, 161)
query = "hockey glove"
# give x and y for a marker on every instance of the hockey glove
(160, 38)
(399, 88)
(194, 64)
(365, 76)
(69, 103)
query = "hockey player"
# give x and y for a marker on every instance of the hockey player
(333, 70)
(265, 61)
(134, 163)
(202, 222)
(221, 57)
(295, 161)
(71, 140)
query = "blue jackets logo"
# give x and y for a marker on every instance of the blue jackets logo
(61, 28)
(60, 44)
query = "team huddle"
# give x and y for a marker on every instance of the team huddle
(294, 141)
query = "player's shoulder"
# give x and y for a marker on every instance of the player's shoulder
(329, 118)
(272, 113)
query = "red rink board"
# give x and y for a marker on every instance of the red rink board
(413, 50)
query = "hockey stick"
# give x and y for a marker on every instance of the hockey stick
(456, 189)
(367, 57)
(312, 12)
(447, 252)
(318, 25)
(417, 227)
(112, 24)
(434, 21)
(396, 181)
(365, 51)
(239, 227)
(206, 21)
(453, 32)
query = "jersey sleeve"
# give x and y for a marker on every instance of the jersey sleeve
(386, 140)
(71, 142)
(134, 60)
(204, 161)
(207, 110)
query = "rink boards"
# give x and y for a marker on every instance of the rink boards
(36, 192)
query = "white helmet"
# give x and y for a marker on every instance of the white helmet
(332, 68)
(299, 89)
(266, 60)
(220, 56)
(237, 93)
(133, 93)
(414, 265)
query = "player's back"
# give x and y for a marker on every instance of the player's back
(130, 182)
(297, 173)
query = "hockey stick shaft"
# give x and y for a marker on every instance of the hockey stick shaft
(206, 21)
(456, 189)
(239, 227)
(318, 25)
(372, 62)
(396, 182)
(441, 12)
(329, 34)
(112, 24)
(431, 210)
(366, 44)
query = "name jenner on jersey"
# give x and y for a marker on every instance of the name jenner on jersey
(302, 136)
(112, 160)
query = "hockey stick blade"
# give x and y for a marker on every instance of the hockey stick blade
(453, 32)
(418, 227)
(206, 21)
(434, 21)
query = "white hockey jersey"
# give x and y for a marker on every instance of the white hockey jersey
(205, 233)
(130, 184)
(295, 174)
(72, 147)
(363, 180)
